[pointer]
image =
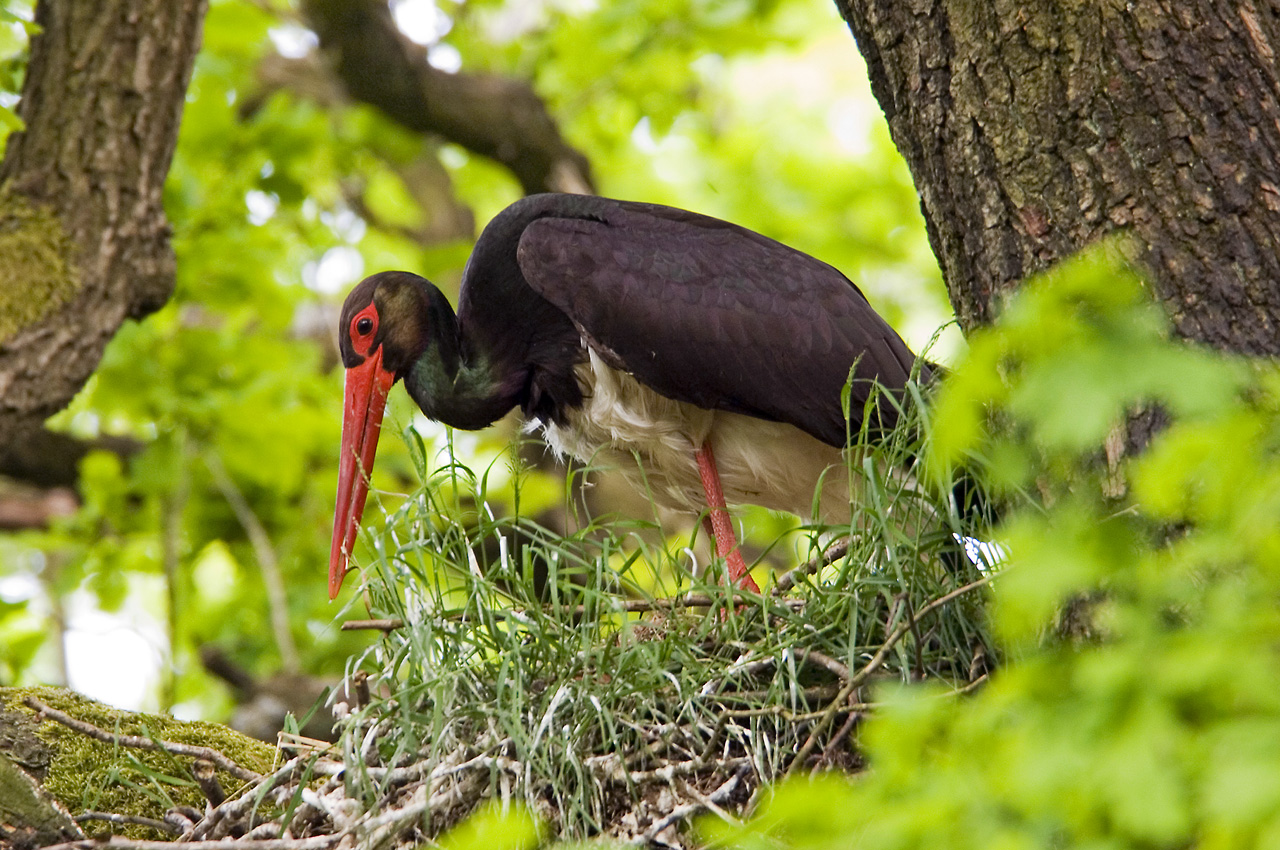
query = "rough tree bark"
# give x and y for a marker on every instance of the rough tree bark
(84, 243)
(1034, 127)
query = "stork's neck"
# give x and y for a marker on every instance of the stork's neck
(455, 382)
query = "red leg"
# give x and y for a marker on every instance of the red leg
(718, 516)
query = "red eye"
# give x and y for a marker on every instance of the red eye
(364, 323)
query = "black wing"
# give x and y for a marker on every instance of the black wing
(713, 314)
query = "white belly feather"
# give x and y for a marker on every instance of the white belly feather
(763, 463)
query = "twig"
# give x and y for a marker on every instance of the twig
(388, 625)
(202, 770)
(116, 842)
(689, 600)
(360, 687)
(830, 556)
(184, 819)
(876, 660)
(743, 665)
(816, 693)
(969, 688)
(829, 749)
(792, 716)
(236, 807)
(713, 805)
(422, 769)
(824, 660)
(682, 812)
(613, 770)
(385, 825)
(141, 743)
(898, 633)
(668, 772)
(301, 745)
(270, 829)
(133, 820)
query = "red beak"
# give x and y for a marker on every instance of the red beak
(365, 400)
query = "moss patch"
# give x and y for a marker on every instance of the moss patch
(85, 773)
(38, 272)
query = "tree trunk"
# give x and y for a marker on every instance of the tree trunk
(84, 243)
(1033, 127)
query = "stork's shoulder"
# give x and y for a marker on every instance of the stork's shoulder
(592, 256)
(707, 312)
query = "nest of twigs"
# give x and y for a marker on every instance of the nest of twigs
(604, 725)
(628, 734)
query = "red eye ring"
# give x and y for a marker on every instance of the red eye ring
(363, 326)
(364, 323)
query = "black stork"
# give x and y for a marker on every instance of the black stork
(715, 355)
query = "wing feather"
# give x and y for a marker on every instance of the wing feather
(710, 313)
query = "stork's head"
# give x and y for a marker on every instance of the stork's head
(385, 317)
(382, 332)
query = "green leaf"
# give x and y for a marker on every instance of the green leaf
(494, 829)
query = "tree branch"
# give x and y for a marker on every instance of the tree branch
(497, 117)
(141, 743)
(85, 238)
(24, 508)
(50, 459)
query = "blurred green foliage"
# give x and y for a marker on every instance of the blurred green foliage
(16, 29)
(493, 829)
(754, 110)
(1155, 726)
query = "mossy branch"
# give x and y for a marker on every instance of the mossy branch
(141, 743)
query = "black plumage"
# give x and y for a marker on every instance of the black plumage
(698, 309)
